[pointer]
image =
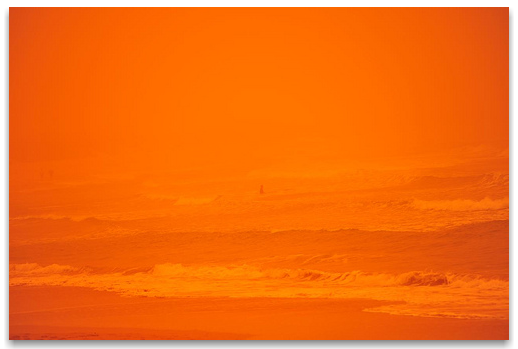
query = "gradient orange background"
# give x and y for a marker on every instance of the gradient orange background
(173, 87)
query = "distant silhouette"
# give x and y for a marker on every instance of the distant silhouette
(261, 191)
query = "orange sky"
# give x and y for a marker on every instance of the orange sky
(180, 87)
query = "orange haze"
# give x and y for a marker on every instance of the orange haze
(237, 86)
(298, 154)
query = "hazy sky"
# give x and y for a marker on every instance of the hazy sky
(181, 87)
